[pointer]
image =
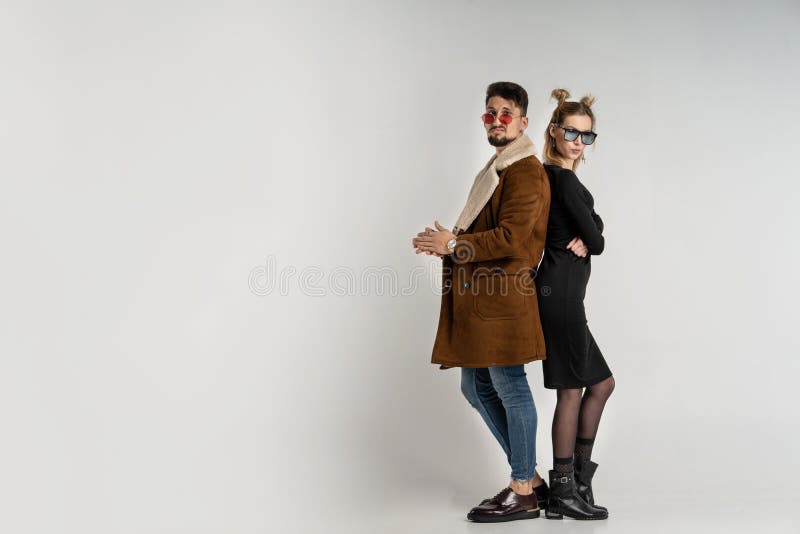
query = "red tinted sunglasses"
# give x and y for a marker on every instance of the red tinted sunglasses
(504, 118)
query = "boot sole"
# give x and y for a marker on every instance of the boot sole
(556, 515)
(477, 518)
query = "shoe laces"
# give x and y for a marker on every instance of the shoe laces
(499, 493)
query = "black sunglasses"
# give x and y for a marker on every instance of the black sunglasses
(570, 134)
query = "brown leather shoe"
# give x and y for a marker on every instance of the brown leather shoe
(505, 506)
(542, 493)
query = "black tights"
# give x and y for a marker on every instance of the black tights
(578, 414)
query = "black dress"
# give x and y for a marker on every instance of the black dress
(573, 358)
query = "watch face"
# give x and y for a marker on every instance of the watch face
(451, 244)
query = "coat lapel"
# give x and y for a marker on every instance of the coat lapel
(487, 179)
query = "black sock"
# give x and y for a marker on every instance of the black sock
(583, 450)
(562, 466)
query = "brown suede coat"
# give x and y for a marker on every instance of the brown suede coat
(489, 313)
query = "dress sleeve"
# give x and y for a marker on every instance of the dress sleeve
(521, 203)
(598, 221)
(582, 215)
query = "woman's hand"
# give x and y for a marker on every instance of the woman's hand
(577, 247)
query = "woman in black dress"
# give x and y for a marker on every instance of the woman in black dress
(574, 366)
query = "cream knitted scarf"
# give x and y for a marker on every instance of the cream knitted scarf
(487, 180)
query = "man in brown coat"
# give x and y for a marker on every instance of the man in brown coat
(489, 320)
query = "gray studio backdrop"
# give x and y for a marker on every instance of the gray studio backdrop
(212, 316)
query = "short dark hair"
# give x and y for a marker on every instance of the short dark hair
(509, 91)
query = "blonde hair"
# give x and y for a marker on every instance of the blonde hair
(564, 109)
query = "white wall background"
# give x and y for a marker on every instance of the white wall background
(155, 153)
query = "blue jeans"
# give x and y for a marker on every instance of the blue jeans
(503, 398)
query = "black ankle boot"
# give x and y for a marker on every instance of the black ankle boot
(564, 500)
(542, 493)
(584, 472)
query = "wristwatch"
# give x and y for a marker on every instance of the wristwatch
(451, 245)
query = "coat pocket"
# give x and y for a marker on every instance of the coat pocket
(498, 296)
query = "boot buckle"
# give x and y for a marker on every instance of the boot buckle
(563, 480)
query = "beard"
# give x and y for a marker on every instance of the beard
(499, 141)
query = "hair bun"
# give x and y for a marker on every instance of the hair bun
(560, 94)
(588, 101)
